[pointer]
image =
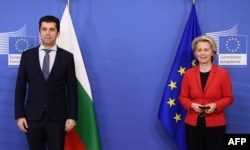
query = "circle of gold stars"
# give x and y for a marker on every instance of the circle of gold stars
(232, 40)
(18, 42)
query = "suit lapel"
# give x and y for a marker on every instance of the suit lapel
(56, 63)
(198, 77)
(37, 62)
(210, 77)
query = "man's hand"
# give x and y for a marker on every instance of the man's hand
(70, 124)
(22, 124)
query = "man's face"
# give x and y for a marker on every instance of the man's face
(48, 33)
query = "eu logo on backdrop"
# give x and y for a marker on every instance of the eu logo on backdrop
(16, 46)
(19, 44)
(233, 44)
(233, 50)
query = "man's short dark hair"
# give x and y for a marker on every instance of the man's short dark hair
(50, 19)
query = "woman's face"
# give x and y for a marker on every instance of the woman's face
(204, 53)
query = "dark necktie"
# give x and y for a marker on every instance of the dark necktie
(45, 68)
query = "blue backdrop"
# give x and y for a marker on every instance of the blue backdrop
(128, 47)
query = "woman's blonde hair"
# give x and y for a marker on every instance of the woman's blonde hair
(205, 38)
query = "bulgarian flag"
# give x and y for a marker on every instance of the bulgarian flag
(85, 135)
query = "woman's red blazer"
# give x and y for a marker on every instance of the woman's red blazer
(218, 90)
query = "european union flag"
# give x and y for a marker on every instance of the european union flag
(233, 44)
(19, 44)
(171, 113)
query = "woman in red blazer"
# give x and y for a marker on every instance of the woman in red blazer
(206, 91)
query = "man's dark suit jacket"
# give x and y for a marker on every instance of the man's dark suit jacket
(58, 93)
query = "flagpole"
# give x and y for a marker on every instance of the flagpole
(68, 3)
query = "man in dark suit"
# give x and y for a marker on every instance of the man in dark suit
(46, 103)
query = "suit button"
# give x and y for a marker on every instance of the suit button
(45, 108)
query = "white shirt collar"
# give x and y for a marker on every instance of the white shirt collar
(54, 48)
